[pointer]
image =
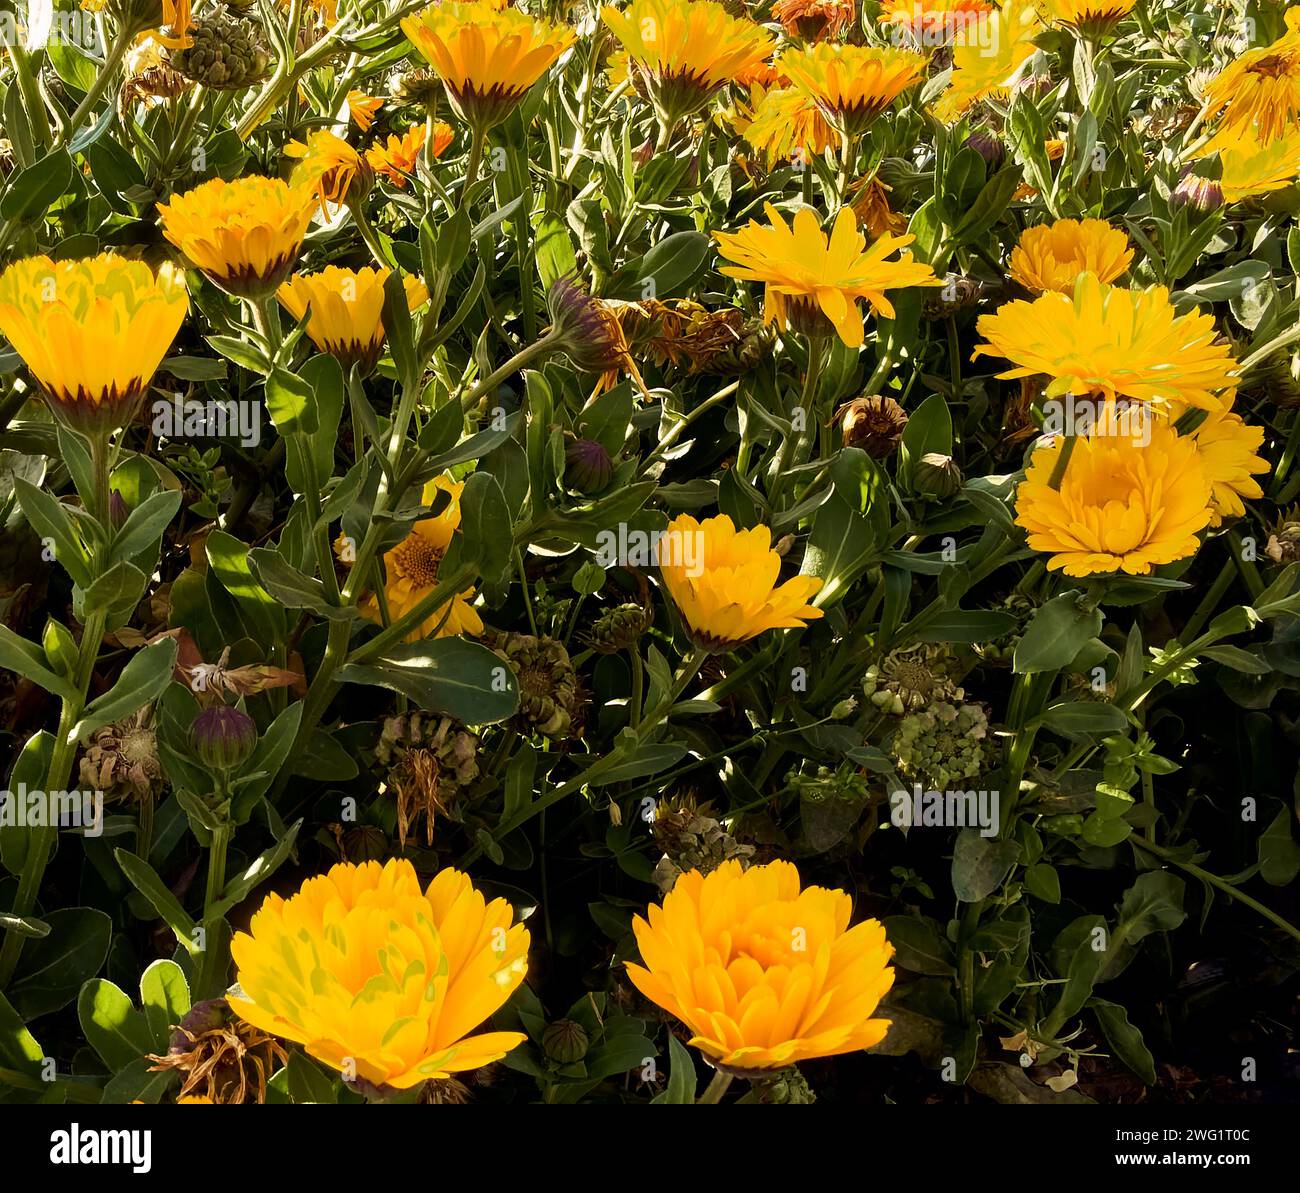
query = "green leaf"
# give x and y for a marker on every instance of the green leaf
(144, 526)
(31, 192)
(51, 520)
(143, 679)
(682, 1081)
(929, 429)
(290, 402)
(165, 999)
(1279, 855)
(668, 270)
(1083, 717)
(291, 587)
(262, 615)
(649, 758)
(1058, 631)
(52, 969)
(145, 880)
(980, 864)
(486, 527)
(918, 945)
(257, 872)
(1042, 881)
(111, 1025)
(28, 660)
(963, 625)
(309, 1083)
(23, 925)
(1124, 1039)
(18, 1047)
(450, 675)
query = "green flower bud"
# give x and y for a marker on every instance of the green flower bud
(565, 1042)
(937, 476)
(588, 467)
(222, 738)
(619, 628)
(228, 54)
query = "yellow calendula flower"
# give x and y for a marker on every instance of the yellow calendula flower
(363, 108)
(1250, 166)
(244, 235)
(92, 331)
(852, 84)
(765, 974)
(1259, 90)
(683, 51)
(1123, 505)
(379, 979)
(1088, 18)
(812, 20)
(1227, 444)
(785, 125)
(812, 282)
(1052, 256)
(346, 307)
(1114, 342)
(724, 582)
(412, 566)
(933, 22)
(395, 158)
(988, 57)
(488, 56)
(330, 167)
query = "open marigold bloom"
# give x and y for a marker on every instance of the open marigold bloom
(724, 582)
(1087, 18)
(1250, 166)
(1052, 256)
(488, 56)
(92, 331)
(396, 158)
(346, 307)
(683, 51)
(330, 166)
(1122, 505)
(244, 235)
(1260, 89)
(376, 978)
(852, 84)
(412, 566)
(1227, 444)
(785, 124)
(988, 56)
(813, 281)
(763, 973)
(1102, 339)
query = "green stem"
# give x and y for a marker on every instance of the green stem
(33, 104)
(537, 350)
(116, 52)
(717, 1087)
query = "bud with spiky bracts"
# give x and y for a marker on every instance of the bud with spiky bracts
(588, 331)
(872, 422)
(432, 762)
(1284, 540)
(1000, 652)
(957, 294)
(1197, 191)
(910, 678)
(752, 348)
(782, 1087)
(226, 54)
(989, 146)
(692, 839)
(943, 744)
(223, 1058)
(619, 628)
(550, 696)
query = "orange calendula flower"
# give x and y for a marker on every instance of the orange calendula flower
(764, 972)
(1122, 506)
(92, 331)
(488, 56)
(244, 235)
(363, 108)
(1259, 90)
(852, 84)
(1114, 342)
(1052, 256)
(812, 20)
(379, 979)
(346, 307)
(812, 282)
(683, 51)
(330, 166)
(396, 158)
(1087, 18)
(724, 582)
(412, 566)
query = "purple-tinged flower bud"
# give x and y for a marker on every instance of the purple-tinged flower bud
(223, 737)
(587, 466)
